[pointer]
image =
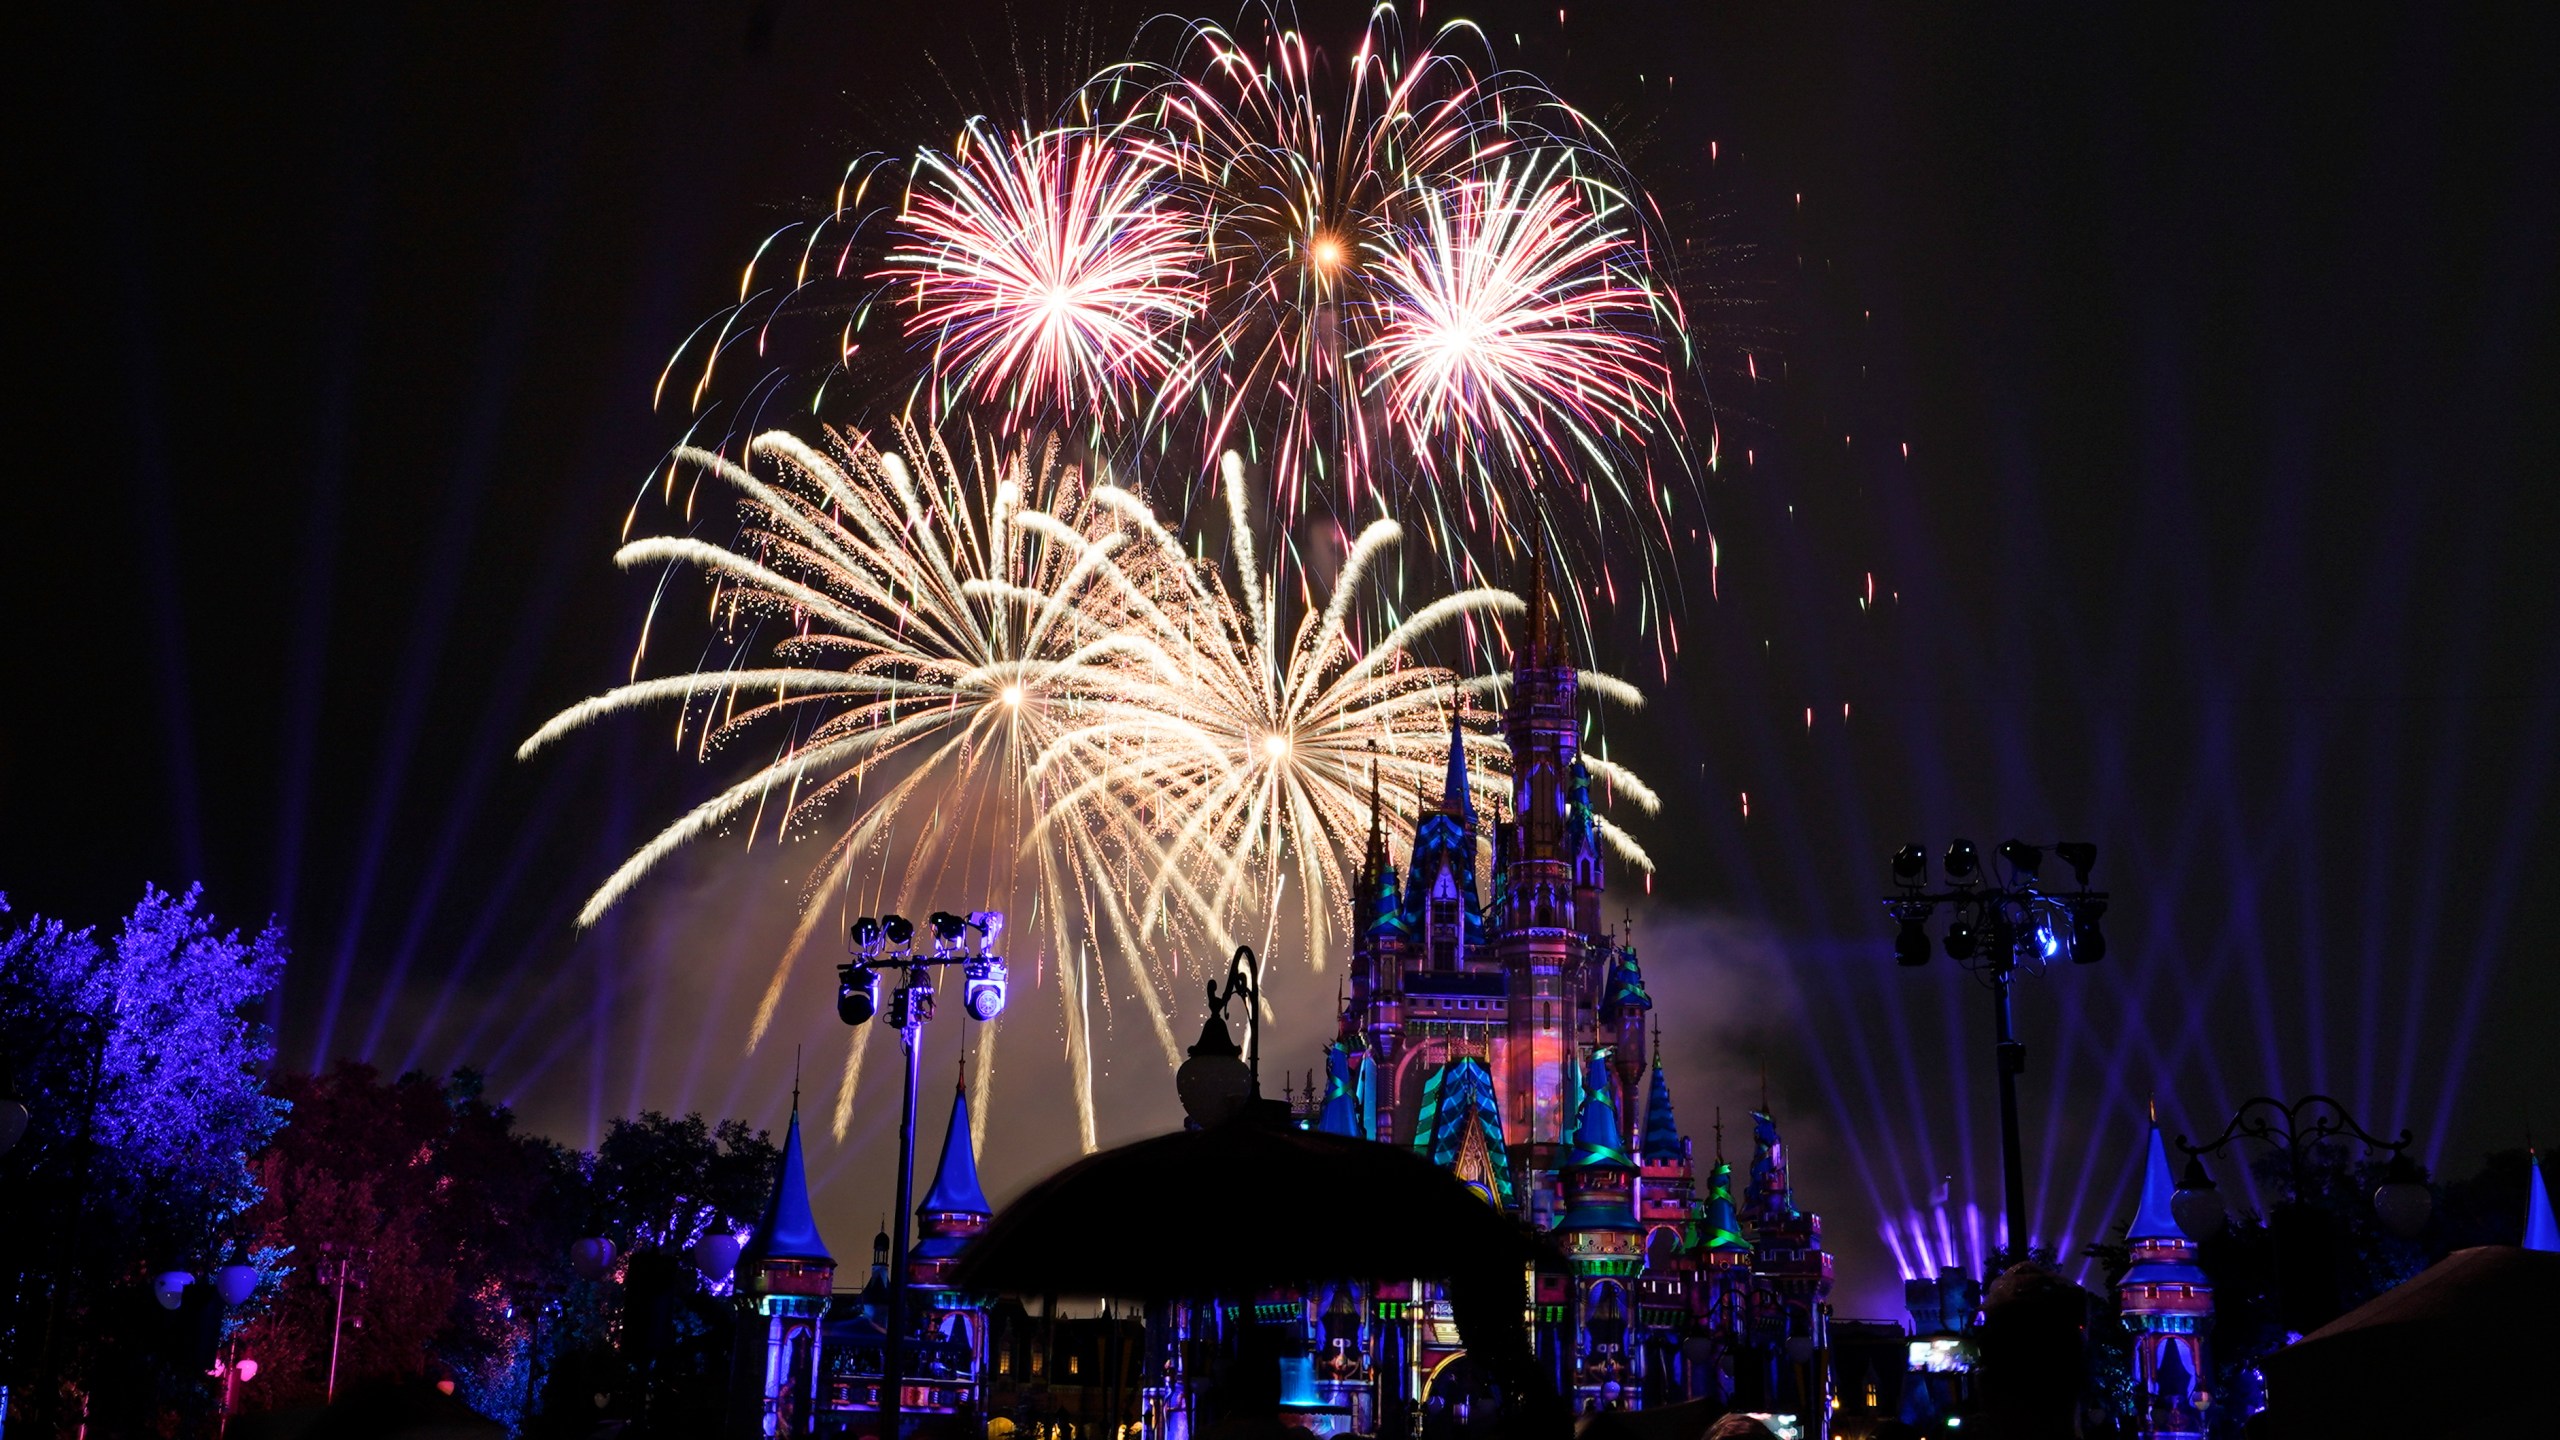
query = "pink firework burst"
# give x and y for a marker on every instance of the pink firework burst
(1508, 311)
(1047, 268)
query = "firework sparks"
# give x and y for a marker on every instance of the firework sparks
(1015, 684)
(1046, 269)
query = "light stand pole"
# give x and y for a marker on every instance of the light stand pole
(888, 943)
(1998, 931)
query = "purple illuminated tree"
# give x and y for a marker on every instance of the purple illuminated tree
(140, 1069)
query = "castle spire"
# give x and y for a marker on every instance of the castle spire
(1454, 796)
(1661, 1131)
(789, 1230)
(2541, 1231)
(1374, 863)
(955, 1181)
(2153, 1219)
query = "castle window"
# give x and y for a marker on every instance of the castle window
(1873, 1402)
(1075, 1365)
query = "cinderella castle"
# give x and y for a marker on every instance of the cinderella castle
(1504, 1036)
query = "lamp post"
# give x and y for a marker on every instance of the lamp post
(1222, 1080)
(2000, 930)
(337, 1269)
(888, 943)
(2402, 1201)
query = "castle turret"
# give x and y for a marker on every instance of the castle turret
(784, 1277)
(2541, 1232)
(2167, 1303)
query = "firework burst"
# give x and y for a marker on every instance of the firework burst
(1013, 684)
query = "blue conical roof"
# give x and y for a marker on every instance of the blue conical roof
(2153, 1219)
(1597, 1138)
(955, 1181)
(1661, 1131)
(1723, 1230)
(2541, 1232)
(790, 1231)
(1341, 1114)
(1454, 794)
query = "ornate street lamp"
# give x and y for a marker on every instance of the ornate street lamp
(1996, 932)
(2402, 1201)
(888, 944)
(1221, 1079)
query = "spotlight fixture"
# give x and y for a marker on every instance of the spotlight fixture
(1961, 862)
(857, 993)
(2088, 942)
(900, 931)
(990, 927)
(2081, 856)
(947, 930)
(2024, 859)
(866, 936)
(984, 991)
(1959, 941)
(1911, 945)
(1911, 866)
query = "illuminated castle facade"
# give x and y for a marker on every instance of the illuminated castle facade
(1504, 1035)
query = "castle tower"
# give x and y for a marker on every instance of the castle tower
(1540, 944)
(1602, 1240)
(949, 1342)
(2541, 1232)
(785, 1275)
(2168, 1304)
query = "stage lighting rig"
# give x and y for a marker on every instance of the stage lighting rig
(1999, 925)
(889, 943)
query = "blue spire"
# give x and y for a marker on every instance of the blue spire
(1341, 1113)
(1597, 1139)
(955, 1181)
(790, 1231)
(2541, 1232)
(1454, 795)
(2153, 1219)
(1661, 1131)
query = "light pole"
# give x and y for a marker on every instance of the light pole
(1999, 930)
(888, 943)
(336, 1267)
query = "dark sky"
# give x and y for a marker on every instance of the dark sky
(2222, 342)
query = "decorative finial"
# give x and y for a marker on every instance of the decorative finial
(795, 1081)
(2155, 1112)
(1719, 1134)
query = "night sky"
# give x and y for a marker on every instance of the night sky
(2222, 344)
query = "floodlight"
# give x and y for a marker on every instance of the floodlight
(1911, 946)
(2023, 858)
(985, 989)
(2081, 856)
(1961, 862)
(857, 993)
(947, 930)
(1959, 941)
(1911, 866)
(2088, 942)
(866, 935)
(900, 930)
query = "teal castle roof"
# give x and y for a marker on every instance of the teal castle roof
(1597, 1137)
(1451, 1095)
(955, 1181)
(2153, 1219)
(1722, 1229)
(1624, 993)
(2541, 1232)
(789, 1231)
(1341, 1113)
(1661, 1130)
